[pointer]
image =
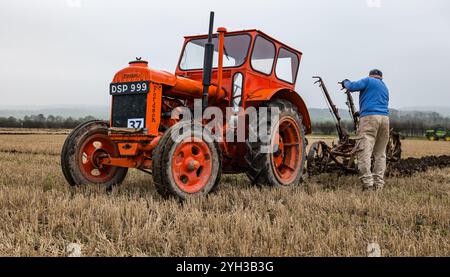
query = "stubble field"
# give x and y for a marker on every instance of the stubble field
(328, 215)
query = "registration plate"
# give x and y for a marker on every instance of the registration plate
(141, 87)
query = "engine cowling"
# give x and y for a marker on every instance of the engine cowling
(137, 92)
(177, 86)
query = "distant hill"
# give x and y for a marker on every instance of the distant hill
(321, 115)
(100, 112)
(443, 110)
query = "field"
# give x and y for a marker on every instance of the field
(328, 215)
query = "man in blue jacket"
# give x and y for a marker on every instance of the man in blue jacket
(373, 127)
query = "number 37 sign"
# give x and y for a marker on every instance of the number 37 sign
(135, 123)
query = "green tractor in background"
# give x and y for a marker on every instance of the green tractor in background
(438, 134)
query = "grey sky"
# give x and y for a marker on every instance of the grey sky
(67, 51)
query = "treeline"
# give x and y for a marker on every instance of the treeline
(416, 123)
(411, 124)
(42, 121)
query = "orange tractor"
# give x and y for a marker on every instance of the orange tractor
(236, 70)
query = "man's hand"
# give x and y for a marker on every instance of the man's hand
(342, 83)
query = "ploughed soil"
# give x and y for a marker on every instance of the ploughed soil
(403, 168)
(409, 166)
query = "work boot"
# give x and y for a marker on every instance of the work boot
(368, 187)
(378, 181)
(378, 187)
(367, 182)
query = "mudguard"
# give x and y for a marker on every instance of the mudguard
(259, 96)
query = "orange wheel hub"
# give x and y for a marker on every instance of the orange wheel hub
(191, 165)
(92, 149)
(287, 151)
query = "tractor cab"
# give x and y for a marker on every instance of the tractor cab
(253, 63)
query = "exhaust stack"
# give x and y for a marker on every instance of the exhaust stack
(207, 63)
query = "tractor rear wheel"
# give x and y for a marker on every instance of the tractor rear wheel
(81, 152)
(279, 163)
(187, 162)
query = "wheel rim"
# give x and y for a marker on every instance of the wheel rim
(92, 149)
(191, 165)
(287, 154)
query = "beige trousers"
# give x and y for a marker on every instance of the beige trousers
(374, 133)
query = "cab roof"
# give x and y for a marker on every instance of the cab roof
(250, 31)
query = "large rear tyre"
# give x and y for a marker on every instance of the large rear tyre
(186, 162)
(283, 164)
(81, 152)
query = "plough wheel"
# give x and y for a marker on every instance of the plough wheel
(316, 159)
(394, 148)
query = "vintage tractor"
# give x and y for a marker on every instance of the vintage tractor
(341, 156)
(238, 70)
(438, 134)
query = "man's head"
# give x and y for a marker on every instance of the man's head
(376, 73)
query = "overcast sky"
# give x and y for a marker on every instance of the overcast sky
(66, 51)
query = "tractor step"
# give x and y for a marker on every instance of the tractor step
(125, 131)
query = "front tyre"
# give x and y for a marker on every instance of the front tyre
(81, 153)
(186, 162)
(283, 165)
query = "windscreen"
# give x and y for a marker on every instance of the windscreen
(236, 50)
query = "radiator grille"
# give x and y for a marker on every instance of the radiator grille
(126, 107)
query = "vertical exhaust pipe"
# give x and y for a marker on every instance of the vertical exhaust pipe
(207, 63)
(221, 31)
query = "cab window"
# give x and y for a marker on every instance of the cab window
(238, 83)
(287, 66)
(263, 55)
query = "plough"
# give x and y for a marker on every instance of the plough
(342, 156)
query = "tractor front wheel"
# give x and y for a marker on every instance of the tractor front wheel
(186, 162)
(81, 153)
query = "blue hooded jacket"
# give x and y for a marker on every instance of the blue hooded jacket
(373, 96)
